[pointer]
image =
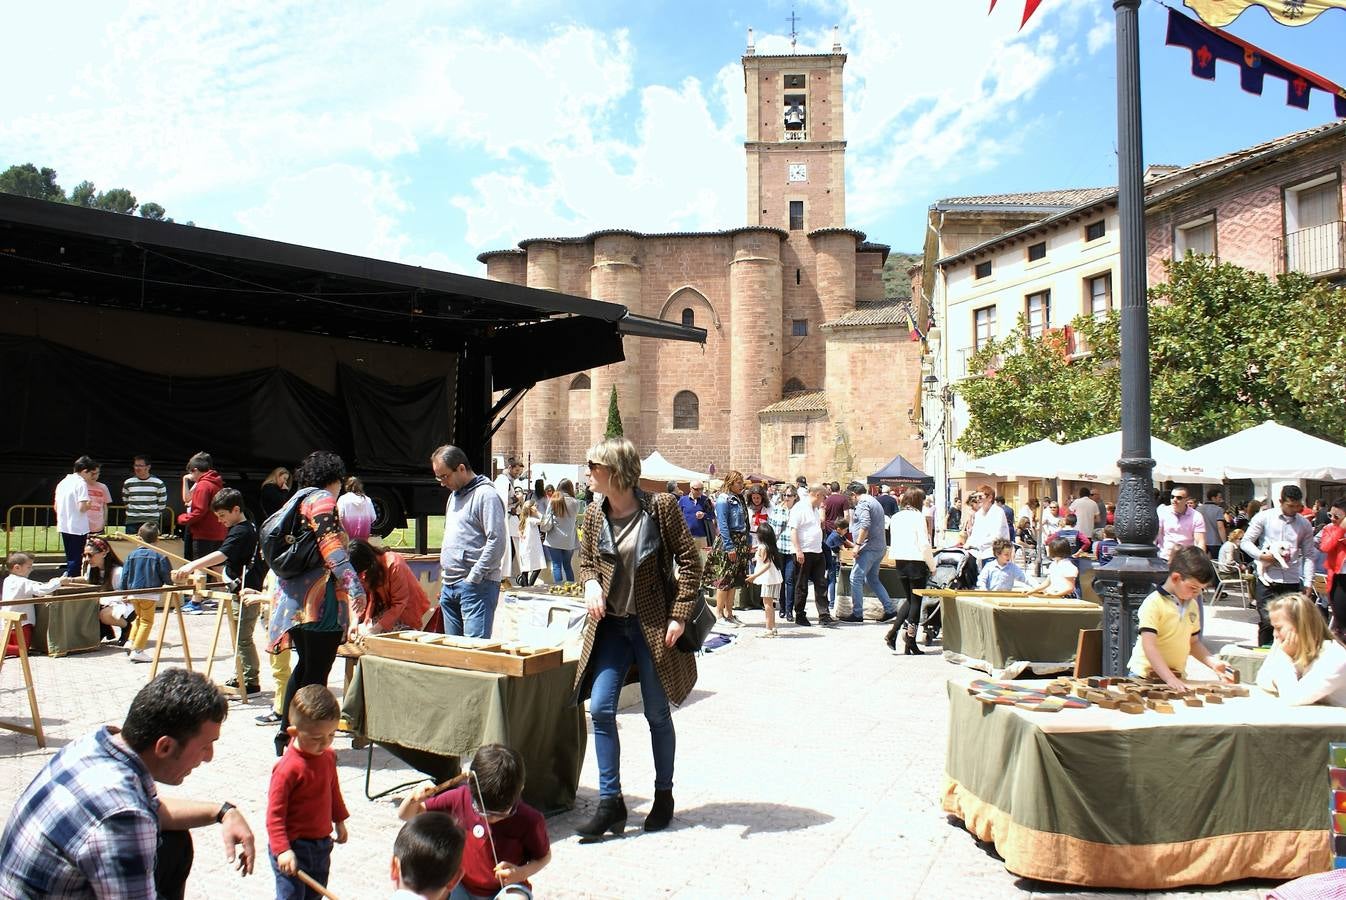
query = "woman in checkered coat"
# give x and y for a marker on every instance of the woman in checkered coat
(637, 610)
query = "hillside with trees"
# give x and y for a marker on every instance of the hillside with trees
(27, 180)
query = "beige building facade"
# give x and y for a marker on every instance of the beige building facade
(799, 333)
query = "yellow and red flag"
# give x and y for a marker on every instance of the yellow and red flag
(1030, 7)
(1287, 12)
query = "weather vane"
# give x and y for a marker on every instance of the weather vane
(794, 31)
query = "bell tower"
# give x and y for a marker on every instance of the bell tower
(796, 145)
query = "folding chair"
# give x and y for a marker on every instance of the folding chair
(1232, 581)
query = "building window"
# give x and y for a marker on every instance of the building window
(1037, 251)
(794, 386)
(796, 445)
(1198, 236)
(983, 326)
(983, 270)
(799, 327)
(796, 215)
(688, 317)
(1098, 295)
(580, 382)
(1094, 230)
(1039, 309)
(1313, 227)
(794, 81)
(686, 411)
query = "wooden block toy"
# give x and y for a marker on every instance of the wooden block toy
(1108, 703)
(1214, 698)
(1235, 675)
(1051, 705)
(1132, 707)
(1162, 706)
(1190, 700)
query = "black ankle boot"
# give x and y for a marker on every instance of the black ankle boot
(126, 630)
(610, 816)
(911, 648)
(661, 813)
(891, 637)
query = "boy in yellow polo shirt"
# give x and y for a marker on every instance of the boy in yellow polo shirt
(1170, 622)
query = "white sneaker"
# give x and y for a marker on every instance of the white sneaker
(139, 656)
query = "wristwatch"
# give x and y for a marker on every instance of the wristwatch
(224, 809)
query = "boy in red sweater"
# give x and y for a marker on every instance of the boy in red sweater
(305, 797)
(507, 841)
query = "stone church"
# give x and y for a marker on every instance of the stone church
(807, 368)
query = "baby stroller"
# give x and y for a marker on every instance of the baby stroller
(955, 570)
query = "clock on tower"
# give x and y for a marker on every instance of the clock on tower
(799, 172)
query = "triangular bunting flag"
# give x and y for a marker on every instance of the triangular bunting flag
(1209, 45)
(1288, 12)
(1030, 7)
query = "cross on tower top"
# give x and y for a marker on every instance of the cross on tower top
(794, 31)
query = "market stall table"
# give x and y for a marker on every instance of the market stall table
(1102, 798)
(1247, 661)
(1007, 634)
(450, 712)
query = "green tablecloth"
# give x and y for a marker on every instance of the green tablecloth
(998, 638)
(454, 711)
(1098, 797)
(887, 577)
(67, 626)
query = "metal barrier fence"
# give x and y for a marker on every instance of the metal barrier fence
(32, 527)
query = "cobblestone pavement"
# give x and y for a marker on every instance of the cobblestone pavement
(808, 766)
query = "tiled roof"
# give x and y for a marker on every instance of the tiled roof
(886, 312)
(813, 401)
(1063, 198)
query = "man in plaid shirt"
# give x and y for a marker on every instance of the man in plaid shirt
(779, 520)
(91, 824)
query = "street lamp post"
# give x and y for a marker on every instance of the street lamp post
(1136, 569)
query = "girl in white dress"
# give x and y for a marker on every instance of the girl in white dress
(1305, 664)
(767, 574)
(531, 558)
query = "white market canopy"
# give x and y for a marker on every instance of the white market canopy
(1272, 451)
(656, 468)
(1035, 460)
(1095, 459)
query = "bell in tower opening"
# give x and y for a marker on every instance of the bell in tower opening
(794, 113)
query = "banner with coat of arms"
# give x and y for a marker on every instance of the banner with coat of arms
(1288, 12)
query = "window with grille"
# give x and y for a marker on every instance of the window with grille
(796, 445)
(1094, 230)
(688, 317)
(1098, 301)
(1037, 251)
(799, 327)
(983, 270)
(796, 215)
(1039, 309)
(686, 411)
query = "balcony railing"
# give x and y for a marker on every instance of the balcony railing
(1320, 250)
(796, 135)
(965, 369)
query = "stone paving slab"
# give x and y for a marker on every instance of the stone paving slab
(808, 766)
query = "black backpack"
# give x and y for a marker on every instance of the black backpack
(288, 545)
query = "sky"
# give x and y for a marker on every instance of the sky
(428, 131)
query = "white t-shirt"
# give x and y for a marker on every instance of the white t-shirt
(1324, 682)
(1059, 574)
(806, 530)
(70, 492)
(1086, 515)
(17, 587)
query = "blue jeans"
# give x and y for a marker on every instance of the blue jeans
(560, 563)
(315, 858)
(832, 559)
(787, 588)
(866, 572)
(73, 544)
(617, 644)
(469, 609)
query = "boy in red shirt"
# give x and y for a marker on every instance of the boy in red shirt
(507, 841)
(305, 797)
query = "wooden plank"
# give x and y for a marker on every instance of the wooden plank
(408, 647)
(1089, 652)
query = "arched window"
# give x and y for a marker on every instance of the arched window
(688, 317)
(580, 382)
(794, 386)
(686, 411)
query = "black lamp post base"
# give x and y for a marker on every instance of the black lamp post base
(1122, 585)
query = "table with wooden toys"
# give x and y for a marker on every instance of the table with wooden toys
(1124, 783)
(446, 696)
(1007, 634)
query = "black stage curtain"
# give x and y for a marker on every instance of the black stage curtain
(394, 427)
(62, 401)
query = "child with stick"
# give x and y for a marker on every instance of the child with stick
(767, 575)
(507, 841)
(304, 800)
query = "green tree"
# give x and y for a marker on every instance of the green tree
(28, 180)
(153, 211)
(1229, 348)
(896, 282)
(614, 428)
(84, 194)
(118, 200)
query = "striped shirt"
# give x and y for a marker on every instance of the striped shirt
(145, 499)
(87, 825)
